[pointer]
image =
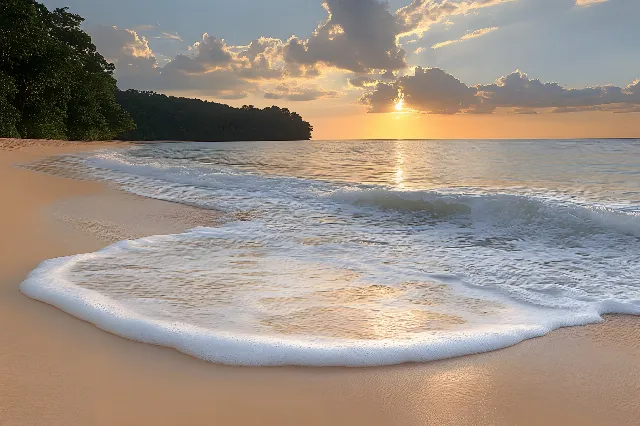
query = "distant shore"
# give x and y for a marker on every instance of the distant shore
(58, 370)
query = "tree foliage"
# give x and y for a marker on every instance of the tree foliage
(53, 82)
(9, 115)
(160, 117)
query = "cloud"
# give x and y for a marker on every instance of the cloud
(228, 72)
(525, 111)
(264, 59)
(211, 52)
(517, 90)
(588, 2)
(361, 82)
(169, 36)
(383, 98)
(363, 35)
(436, 92)
(429, 90)
(358, 35)
(135, 63)
(634, 90)
(474, 34)
(137, 66)
(297, 93)
(115, 43)
(233, 95)
(144, 27)
(417, 17)
(361, 39)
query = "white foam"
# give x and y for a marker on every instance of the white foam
(50, 283)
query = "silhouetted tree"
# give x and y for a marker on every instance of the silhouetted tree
(161, 117)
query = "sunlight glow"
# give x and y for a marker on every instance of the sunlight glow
(400, 104)
(399, 166)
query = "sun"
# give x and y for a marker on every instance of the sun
(400, 104)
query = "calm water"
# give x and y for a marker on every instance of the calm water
(363, 252)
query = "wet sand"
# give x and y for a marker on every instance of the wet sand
(57, 370)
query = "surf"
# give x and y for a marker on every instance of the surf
(323, 267)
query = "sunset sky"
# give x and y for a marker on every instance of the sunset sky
(396, 69)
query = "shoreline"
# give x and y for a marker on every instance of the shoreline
(58, 370)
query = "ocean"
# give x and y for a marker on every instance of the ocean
(361, 253)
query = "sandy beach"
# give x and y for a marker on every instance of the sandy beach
(58, 370)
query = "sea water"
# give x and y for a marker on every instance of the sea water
(361, 253)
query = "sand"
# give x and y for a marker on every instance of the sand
(58, 370)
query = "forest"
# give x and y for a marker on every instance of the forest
(54, 84)
(160, 117)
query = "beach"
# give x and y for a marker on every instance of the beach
(58, 370)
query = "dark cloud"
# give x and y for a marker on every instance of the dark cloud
(429, 90)
(361, 82)
(362, 35)
(358, 35)
(233, 96)
(436, 92)
(388, 75)
(383, 98)
(517, 90)
(270, 95)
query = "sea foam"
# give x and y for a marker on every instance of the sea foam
(49, 283)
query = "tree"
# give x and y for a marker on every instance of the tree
(9, 116)
(53, 82)
(161, 117)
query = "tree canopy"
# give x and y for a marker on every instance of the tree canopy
(53, 82)
(160, 117)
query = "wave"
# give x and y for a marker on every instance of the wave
(50, 283)
(496, 209)
(170, 180)
(517, 265)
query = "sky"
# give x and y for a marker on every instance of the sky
(359, 69)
